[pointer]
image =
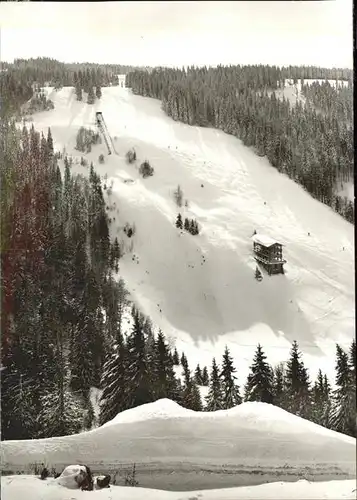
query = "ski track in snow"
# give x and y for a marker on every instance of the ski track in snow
(207, 303)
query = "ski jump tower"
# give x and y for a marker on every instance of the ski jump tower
(104, 130)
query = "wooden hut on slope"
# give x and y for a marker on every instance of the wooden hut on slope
(269, 253)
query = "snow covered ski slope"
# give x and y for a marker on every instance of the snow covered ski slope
(201, 289)
(250, 444)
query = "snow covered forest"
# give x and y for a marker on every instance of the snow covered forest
(18, 79)
(63, 301)
(311, 143)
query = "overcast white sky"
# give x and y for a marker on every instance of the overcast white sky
(180, 33)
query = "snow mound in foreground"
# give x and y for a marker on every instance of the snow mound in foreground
(251, 434)
(162, 408)
(249, 415)
(15, 487)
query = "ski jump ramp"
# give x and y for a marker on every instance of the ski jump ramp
(104, 130)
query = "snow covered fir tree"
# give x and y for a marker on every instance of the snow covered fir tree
(64, 298)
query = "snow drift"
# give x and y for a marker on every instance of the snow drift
(163, 408)
(162, 432)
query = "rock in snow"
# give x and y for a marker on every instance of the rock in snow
(72, 476)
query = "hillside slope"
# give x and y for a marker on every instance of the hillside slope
(201, 289)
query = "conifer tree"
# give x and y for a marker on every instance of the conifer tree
(343, 410)
(87, 82)
(44, 152)
(205, 377)
(164, 381)
(78, 90)
(139, 390)
(115, 255)
(175, 358)
(91, 96)
(114, 298)
(297, 384)
(327, 398)
(187, 225)
(214, 399)
(196, 401)
(259, 386)
(231, 396)
(61, 414)
(150, 344)
(179, 221)
(198, 375)
(279, 395)
(18, 416)
(80, 80)
(113, 382)
(94, 325)
(192, 227)
(190, 396)
(50, 142)
(100, 243)
(93, 76)
(81, 360)
(320, 400)
(98, 92)
(184, 362)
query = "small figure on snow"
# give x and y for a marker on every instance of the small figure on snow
(258, 274)
(44, 473)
